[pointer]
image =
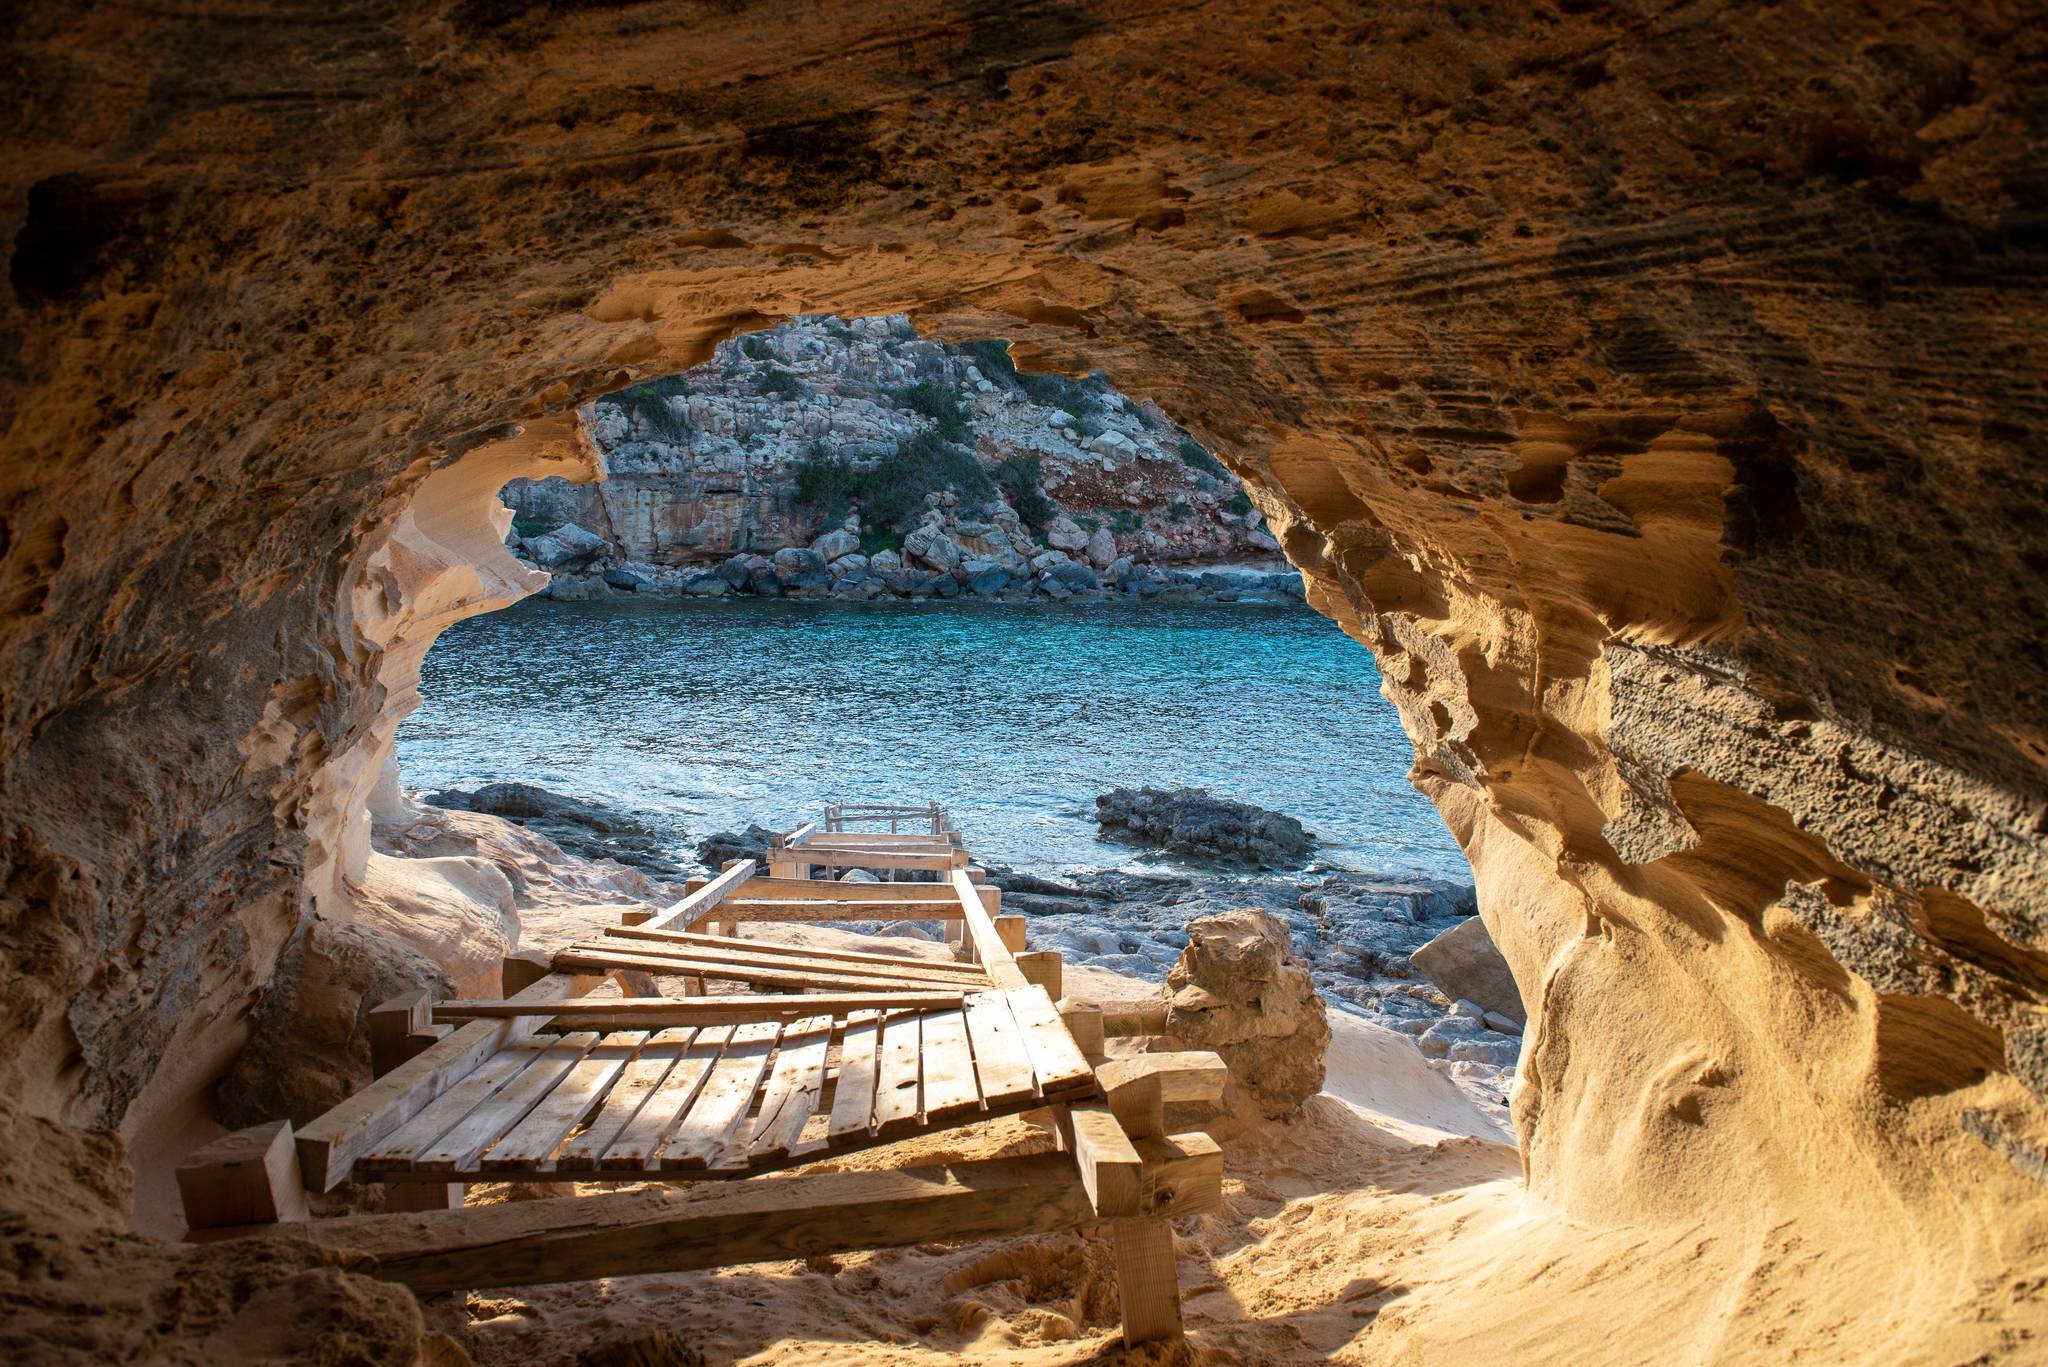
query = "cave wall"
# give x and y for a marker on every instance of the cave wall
(1657, 389)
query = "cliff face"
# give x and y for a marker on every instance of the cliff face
(1655, 390)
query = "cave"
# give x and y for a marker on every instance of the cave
(1655, 392)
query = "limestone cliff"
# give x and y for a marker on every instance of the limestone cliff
(1656, 389)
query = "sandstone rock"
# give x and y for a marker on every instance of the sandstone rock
(794, 564)
(885, 562)
(1101, 548)
(836, 543)
(1463, 962)
(1065, 534)
(1197, 823)
(931, 547)
(1237, 991)
(566, 545)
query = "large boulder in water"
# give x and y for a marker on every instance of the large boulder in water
(1197, 823)
(1237, 990)
(718, 850)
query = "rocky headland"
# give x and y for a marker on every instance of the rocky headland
(857, 460)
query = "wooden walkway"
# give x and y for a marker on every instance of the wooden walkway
(763, 1055)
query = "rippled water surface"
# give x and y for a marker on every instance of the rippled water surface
(705, 716)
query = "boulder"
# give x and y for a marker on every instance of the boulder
(1195, 822)
(734, 571)
(628, 580)
(567, 544)
(718, 850)
(1101, 548)
(1237, 990)
(885, 562)
(989, 578)
(1465, 966)
(794, 563)
(836, 543)
(1075, 576)
(930, 546)
(707, 586)
(1065, 534)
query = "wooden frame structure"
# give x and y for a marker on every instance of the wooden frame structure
(772, 1055)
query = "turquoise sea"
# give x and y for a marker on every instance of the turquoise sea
(703, 716)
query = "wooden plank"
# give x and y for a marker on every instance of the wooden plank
(866, 909)
(720, 1107)
(395, 1153)
(1044, 968)
(810, 889)
(899, 1088)
(1083, 1019)
(330, 1144)
(1109, 1167)
(704, 898)
(777, 948)
(728, 952)
(1002, 1067)
(456, 1151)
(630, 1233)
(853, 1104)
(634, 1149)
(1133, 1019)
(880, 859)
(950, 1089)
(1011, 930)
(532, 1141)
(798, 836)
(390, 1024)
(250, 1177)
(639, 1081)
(792, 1093)
(578, 960)
(1183, 1174)
(1147, 1280)
(1196, 1075)
(981, 931)
(1055, 1058)
(648, 1012)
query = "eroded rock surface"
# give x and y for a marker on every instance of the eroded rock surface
(1237, 990)
(1195, 823)
(1655, 390)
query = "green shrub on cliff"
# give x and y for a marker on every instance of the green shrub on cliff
(1195, 458)
(1018, 478)
(649, 403)
(1241, 503)
(779, 383)
(891, 492)
(937, 402)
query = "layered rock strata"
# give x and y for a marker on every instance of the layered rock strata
(1653, 389)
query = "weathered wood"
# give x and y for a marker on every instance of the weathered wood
(1002, 1065)
(1138, 1106)
(250, 1177)
(412, 1197)
(650, 1011)
(389, 1025)
(1133, 1019)
(981, 931)
(1147, 1280)
(703, 899)
(517, 972)
(396, 1151)
(722, 1104)
(457, 1150)
(1083, 1020)
(530, 1142)
(635, 1148)
(1183, 1174)
(1044, 968)
(809, 890)
(629, 1093)
(1185, 1075)
(950, 1089)
(879, 859)
(331, 1142)
(1011, 930)
(742, 954)
(853, 1103)
(899, 1090)
(780, 910)
(630, 1233)
(578, 959)
(792, 1093)
(1110, 1168)
(1055, 1058)
(779, 949)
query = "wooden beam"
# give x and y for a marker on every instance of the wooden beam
(812, 889)
(981, 931)
(1133, 1019)
(864, 909)
(877, 859)
(1011, 929)
(653, 1012)
(1083, 1019)
(587, 1237)
(389, 1025)
(778, 948)
(1109, 1168)
(680, 915)
(250, 1177)
(729, 970)
(1183, 1174)
(329, 1144)
(1186, 1075)
(738, 952)
(517, 972)
(1147, 1280)
(1044, 968)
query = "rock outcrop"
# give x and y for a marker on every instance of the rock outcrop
(1656, 391)
(1196, 824)
(1465, 966)
(1238, 991)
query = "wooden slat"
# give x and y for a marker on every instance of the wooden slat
(853, 1103)
(724, 951)
(899, 1089)
(1110, 1168)
(988, 946)
(879, 859)
(397, 1150)
(792, 1094)
(649, 1012)
(640, 1081)
(950, 1090)
(704, 898)
(812, 889)
(1055, 1058)
(330, 1143)
(529, 1143)
(635, 1148)
(456, 1150)
(578, 960)
(1002, 1067)
(722, 1104)
(782, 910)
(775, 947)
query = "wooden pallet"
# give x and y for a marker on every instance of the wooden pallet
(725, 1100)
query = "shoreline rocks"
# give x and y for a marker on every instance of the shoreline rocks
(1195, 823)
(580, 826)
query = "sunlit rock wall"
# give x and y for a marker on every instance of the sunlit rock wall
(1658, 391)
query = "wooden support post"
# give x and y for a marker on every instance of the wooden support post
(1140, 1086)
(977, 875)
(390, 1024)
(1012, 930)
(1147, 1280)
(425, 1038)
(956, 938)
(1044, 968)
(637, 916)
(250, 1177)
(521, 971)
(415, 1196)
(1083, 1020)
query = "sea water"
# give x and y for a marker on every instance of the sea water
(705, 716)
